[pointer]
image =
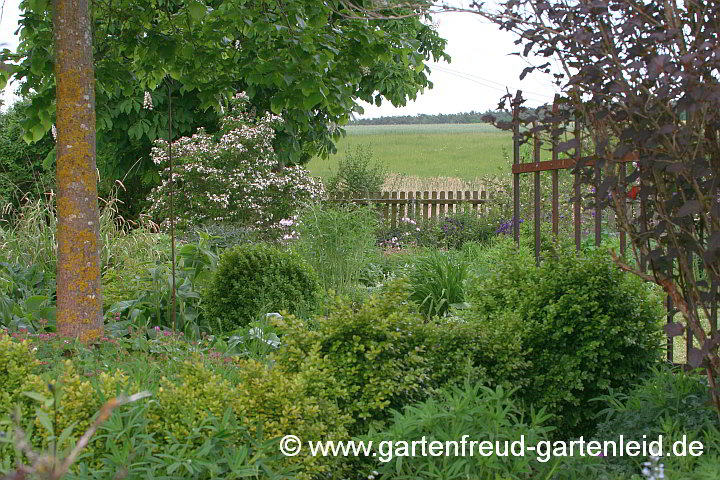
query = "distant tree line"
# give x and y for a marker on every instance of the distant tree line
(424, 119)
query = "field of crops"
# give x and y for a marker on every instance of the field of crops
(464, 151)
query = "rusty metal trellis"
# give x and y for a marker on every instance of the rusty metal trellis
(536, 166)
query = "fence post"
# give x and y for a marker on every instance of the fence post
(516, 160)
(576, 201)
(376, 202)
(386, 206)
(555, 190)
(451, 204)
(442, 205)
(434, 206)
(393, 208)
(417, 207)
(536, 158)
(425, 205)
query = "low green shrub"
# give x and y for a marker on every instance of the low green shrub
(357, 173)
(188, 430)
(586, 326)
(275, 402)
(202, 421)
(370, 359)
(254, 279)
(481, 414)
(458, 351)
(227, 450)
(56, 411)
(75, 399)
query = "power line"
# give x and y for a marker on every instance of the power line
(472, 78)
(447, 70)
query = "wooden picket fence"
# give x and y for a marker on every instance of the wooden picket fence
(416, 205)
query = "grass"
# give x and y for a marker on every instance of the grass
(462, 151)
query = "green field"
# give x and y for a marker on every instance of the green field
(465, 151)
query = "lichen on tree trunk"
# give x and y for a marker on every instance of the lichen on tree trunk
(79, 294)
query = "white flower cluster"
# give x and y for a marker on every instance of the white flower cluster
(147, 101)
(236, 178)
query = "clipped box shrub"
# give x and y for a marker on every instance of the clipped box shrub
(458, 351)
(254, 279)
(368, 359)
(274, 402)
(185, 401)
(584, 326)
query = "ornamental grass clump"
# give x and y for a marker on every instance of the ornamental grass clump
(437, 282)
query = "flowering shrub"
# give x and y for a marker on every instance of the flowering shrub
(233, 176)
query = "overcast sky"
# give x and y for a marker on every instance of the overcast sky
(481, 68)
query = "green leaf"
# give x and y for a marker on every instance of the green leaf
(49, 160)
(35, 302)
(37, 132)
(45, 421)
(36, 396)
(4, 75)
(313, 100)
(277, 104)
(66, 433)
(197, 10)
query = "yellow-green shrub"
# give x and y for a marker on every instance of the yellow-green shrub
(184, 402)
(371, 359)
(77, 400)
(283, 404)
(269, 402)
(17, 363)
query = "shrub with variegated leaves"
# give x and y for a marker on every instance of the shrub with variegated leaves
(233, 176)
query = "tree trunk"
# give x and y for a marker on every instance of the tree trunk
(79, 295)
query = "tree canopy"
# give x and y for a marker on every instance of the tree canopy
(310, 60)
